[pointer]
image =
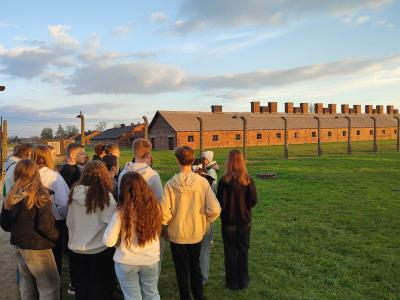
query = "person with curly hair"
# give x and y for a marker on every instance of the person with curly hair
(27, 215)
(91, 206)
(138, 223)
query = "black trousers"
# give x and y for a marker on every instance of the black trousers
(95, 275)
(58, 250)
(186, 259)
(236, 247)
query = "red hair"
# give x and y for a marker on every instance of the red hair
(236, 168)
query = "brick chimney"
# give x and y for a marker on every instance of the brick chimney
(396, 111)
(264, 109)
(351, 111)
(332, 108)
(379, 109)
(304, 108)
(318, 108)
(390, 109)
(289, 107)
(345, 108)
(369, 109)
(216, 108)
(357, 109)
(374, 112)
(273, 107)
(296, 110)
(255, 106)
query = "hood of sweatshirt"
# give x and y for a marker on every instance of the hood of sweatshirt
(10, 161)
(140, 168)
(213, 166)
(47, 176)
(79, 194)
(184, 182)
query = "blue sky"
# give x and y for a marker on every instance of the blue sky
(119, 61)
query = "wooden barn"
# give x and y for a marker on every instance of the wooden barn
(122, 135)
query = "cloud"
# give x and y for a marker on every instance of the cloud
(62, 37)
(198, 14)
(158, 16)
(121, 30)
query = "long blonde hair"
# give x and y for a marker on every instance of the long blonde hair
(236, 168)
(42, 156)
(28, 185)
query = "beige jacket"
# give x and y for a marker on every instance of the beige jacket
(188, 204)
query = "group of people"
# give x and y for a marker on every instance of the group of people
(114, 224)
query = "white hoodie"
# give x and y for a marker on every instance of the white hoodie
(86, 230)
(150, 176)
(10, 167)
(54, 182)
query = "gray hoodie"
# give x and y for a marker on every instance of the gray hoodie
(150, 176)
(10, 167)
(86, 230)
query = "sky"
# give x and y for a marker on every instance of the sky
(117, 61)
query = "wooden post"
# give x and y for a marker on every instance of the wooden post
(146, 128)
(285, 145)
(201, 135)
(319, 136)
(4, 148)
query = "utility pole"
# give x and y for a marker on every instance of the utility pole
(4, 146)
(319, 136)
(285, 147)
(201, 135)
(82, 117)
(146, 127)
(375, 147)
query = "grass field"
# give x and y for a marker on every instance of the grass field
(326, 228)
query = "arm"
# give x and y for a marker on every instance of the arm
(5, 219)
(156, 186)
(213, 209)
(46, 223)
(166, 206)
(251, 194)
(111, 235)
(61, 193)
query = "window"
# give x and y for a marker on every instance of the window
(313, 134)
(358, 132)
(215, 138)
(258, 136)
(278, 135)
(383, 131)
(237, 137)
(371, 132)
(190, 138)
(171, 143)
(296, 134)
(153, 142)
(344, 133)
(329, 133)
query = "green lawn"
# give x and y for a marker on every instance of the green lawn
(326, 228)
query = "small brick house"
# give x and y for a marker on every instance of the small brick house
(265, 126)
(122, 135)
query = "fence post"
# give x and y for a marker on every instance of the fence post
(4, 147)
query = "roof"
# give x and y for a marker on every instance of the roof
(187, 121)
(114, 133)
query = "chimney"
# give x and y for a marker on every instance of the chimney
(332, 108)
(264, 109)
(379, 109)
(296, 110)
(255, 106)
(273, 107)
(357, 109)
(345, 108)
(122, 125)
(326, 111)
(318, 108)
(369, 109)
(304, 108)
(396, 111)
(289, 107)
(351, 111)
(374, 111)
(390, 109)
(216, 108)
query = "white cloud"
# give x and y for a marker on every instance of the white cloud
(61, 36)
(121, 30)
(158, 16)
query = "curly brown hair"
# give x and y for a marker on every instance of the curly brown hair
(95, 176)
(139, 209)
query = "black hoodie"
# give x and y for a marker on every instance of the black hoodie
(30, 228)
(236, 201)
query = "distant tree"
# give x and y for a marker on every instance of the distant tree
(47, 133)
(71, 130)
(101, 126)
(311, 108)
(60, 133)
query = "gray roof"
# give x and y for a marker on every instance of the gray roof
(187, 121)
(114, 133)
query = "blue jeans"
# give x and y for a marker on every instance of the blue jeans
(205, 251)
(138, 282)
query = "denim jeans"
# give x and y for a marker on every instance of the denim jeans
(38, 275)
(205, 252)
(138, 282)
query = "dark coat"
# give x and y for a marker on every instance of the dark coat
(71, 174)
(236, 201)
(30, 228)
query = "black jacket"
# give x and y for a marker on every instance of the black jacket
(30, 228)
(236, 201)
(71, 174)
